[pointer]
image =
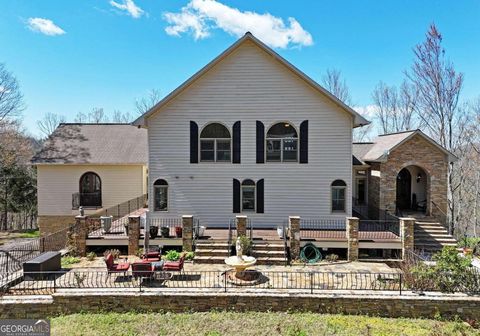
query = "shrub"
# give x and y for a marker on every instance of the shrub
(68, 261)
(140, 252)
(172, 255)
(91, 256)
(331, 257)
(246, 244)
(189, 255)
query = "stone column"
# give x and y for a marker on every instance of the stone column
(187, 233)
(80, 237)
(352, 238)
(407, 227)
(241, 225)
(133, 234)
(294, 231)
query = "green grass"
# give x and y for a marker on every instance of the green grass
(251, 323)
(68, 261)
(29, 234)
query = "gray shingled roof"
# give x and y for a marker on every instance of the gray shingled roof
(359, 149)
(95, 144)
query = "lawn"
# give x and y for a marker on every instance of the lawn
(252, 323)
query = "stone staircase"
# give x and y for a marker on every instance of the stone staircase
(215, 252)
(431, 236)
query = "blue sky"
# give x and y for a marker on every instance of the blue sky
(71, 56)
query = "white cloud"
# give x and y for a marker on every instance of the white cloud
(129, 6)
(201, 16)
(367, 111)
(44, 26)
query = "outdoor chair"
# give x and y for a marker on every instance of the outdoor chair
(174, 265)
(151, 256)
(112, 267)
(142, 270)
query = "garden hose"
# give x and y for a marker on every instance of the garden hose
(310, 254)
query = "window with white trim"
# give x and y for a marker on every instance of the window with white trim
(248, 195)
(282, 143)
(339, 190)
(160, 195)
(215, 144)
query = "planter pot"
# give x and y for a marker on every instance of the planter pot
(165, 232)
(153, 232)
(178, 232)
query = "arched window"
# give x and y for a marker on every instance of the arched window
(282, 143)
(215, 144)
(248, 195)
(90, 190)
(339, 190)
(160, 195)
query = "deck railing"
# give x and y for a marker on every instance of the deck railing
(322, 228)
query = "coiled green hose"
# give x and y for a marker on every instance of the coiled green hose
(310, 254)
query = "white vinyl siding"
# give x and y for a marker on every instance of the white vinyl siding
(250, 85)
(57, 183)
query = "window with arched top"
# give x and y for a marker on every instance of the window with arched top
(339, 191)
(160, 195)
(248, 195)
(282, 143)
(90, 190)
(215, 143)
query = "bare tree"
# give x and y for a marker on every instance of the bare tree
(11, 99)
(81, 118)
(49, 123)
(146, 103)
(439, 86)
(333, 82)
(119, 117)
(97, 116)
(395, 109)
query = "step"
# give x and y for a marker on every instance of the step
(268, 246)
(268, 253)
(432, 234)
(211, 252)
(209, 260)
(211, 246)
(431, 230)
(270, 261)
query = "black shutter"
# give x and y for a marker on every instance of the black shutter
(260, 142)
(236, 196)
(193, 142)
(236, 146)
(260, 196)
(304, 142)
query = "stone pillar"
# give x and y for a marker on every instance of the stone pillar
(187, 233)
(352, 238)
(133, 234)
(407, 226)
(80, 237)
(241, 225)
(294, 231)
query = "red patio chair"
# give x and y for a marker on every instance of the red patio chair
(142, 270)
(112, 267)
(174, 265)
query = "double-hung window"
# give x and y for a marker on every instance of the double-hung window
(339, 190)
(215, 144)
(248, 195)
(282, 143)
(160, 195)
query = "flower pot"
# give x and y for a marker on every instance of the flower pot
(153, 232)
(178, 232)
(199, 231)
(165, 232)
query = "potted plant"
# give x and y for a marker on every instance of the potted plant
(178, 231)
(153, 232)
(165, 231)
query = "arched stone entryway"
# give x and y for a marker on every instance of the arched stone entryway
(412, 189)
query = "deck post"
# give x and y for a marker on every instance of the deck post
(352, 238)
(241, 225)
(294, 231)
(187, 233)
(133, 234)
(81, 236)
(407, 226)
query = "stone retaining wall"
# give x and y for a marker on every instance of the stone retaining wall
(374, 304)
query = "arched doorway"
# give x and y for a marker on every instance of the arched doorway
(412, 193)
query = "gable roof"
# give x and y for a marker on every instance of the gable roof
(359, 120)
(359, 149)
(94, 144)
(381, 147)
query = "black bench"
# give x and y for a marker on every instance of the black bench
(39, 267)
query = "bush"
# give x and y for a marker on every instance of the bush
(189, 255)
(91, 256)
(172, 255)
(246, 245)
(331, 257)
(68, 261)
